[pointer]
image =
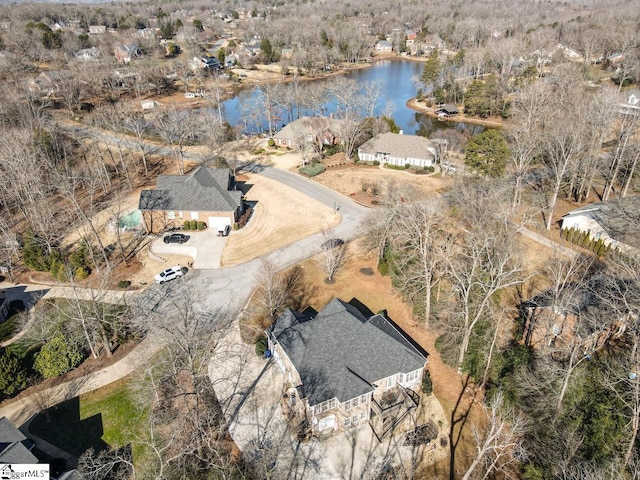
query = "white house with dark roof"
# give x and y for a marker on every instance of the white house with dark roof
(398, 149)
(207, 194)
(346, 367)
(615, 222)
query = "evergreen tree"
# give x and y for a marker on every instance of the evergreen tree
(487, 153)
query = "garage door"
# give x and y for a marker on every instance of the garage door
(218, 223)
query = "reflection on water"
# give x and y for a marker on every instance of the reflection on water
(398, 83)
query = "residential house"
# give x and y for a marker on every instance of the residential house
(594, 312)
(615, 222)
(615, 58)
(147, 33)
(97, 29)
(14, 446)
(287, 53)
(126, 53)
(447, 110)
(205, 194)
(88, 54)
(49, 82)
(383, 46)
(320, 130)
(231, 60)
(346, 367)
(398, 149)
(149, 104)
(58, 26)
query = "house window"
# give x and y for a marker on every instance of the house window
(347, 422)
(354, 419)
(401, 378)
(363, 415)
(347, 405)
(364, 398)
(171, 215)
(391, 381)
(356, 402)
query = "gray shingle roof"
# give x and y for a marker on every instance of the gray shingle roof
(400, 146)
(310, 126)
(17, 453)
(341, 353)
(620, 218)
(12, 450)
(205, 189)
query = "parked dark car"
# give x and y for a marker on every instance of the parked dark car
(176, 238)
(332, 243)
(224, 231)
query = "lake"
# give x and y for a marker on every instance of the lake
(396, 79)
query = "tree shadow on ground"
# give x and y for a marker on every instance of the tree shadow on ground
(459, 417)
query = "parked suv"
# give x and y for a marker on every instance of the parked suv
(170, 274)
(176, 238)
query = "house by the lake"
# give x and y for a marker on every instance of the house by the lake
(398, 149)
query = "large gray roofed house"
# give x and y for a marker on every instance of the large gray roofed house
(620, 218)
(340, 352)
(205, 189)
(399, 146)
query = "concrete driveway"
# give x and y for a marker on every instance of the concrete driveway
(204, 247)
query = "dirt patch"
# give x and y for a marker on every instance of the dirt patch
(281, 216)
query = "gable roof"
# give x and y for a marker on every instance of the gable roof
(400, 146)
(620, 218)
(340, 352)
(12, 448)
(205, 189)
(309, 126)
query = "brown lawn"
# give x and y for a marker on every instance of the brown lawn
(282, 215)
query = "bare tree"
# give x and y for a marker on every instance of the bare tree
(334, 255)
(275, 287)
(421, 245)
(499, 445)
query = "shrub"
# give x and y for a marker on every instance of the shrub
(201, 225)
(186, 225)
(81, 273)
(376, 163)
(407, 166)
(193, 224)
(124, 284)
(261, 345)
(312, 170)
(383, 267)
(430, 169)
(13, 375)
(58, 356)
(271, 142)
(427, 384)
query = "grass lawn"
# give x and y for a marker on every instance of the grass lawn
(104, 418)
(8, 328)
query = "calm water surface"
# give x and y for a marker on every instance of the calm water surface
(397, 80)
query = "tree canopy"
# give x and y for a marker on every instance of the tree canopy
(487, 153)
